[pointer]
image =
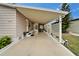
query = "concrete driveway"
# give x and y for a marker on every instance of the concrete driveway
(39, 45)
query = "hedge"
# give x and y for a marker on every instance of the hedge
(4, 41)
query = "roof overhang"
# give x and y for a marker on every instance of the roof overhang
(8, 5)
(38, 15)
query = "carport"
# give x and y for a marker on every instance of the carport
(43, 16)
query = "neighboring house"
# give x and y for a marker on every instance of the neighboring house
(74, 27)
(15, 20)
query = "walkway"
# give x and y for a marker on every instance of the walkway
(39, 45)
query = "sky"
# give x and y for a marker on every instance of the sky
(56, 6)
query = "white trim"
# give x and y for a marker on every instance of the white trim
(43, 9)
(53, 21)
(9, 5)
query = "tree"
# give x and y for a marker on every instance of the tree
(66, 19)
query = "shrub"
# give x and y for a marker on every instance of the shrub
(4, 41)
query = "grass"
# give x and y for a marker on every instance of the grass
(73, 43)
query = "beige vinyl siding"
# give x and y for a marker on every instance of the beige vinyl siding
(7, 21)
(20, 24)
(74, 27)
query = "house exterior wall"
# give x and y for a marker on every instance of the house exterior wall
(7, 21)
(74, 27)
(20, 24)
(55, 29)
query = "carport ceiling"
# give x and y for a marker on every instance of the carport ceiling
(39, 16)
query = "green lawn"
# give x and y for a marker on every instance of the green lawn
(73, 43)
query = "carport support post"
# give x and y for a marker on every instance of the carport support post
(60, 29)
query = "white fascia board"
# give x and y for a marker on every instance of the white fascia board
(52, 22)
(8, 5)
(43, 9)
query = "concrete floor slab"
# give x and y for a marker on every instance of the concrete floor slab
(39, 45)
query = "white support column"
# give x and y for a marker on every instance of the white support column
(27, 25)
(60, 29)
(36, 28)
(50, 28)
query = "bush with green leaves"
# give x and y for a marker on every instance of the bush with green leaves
(4, 41)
